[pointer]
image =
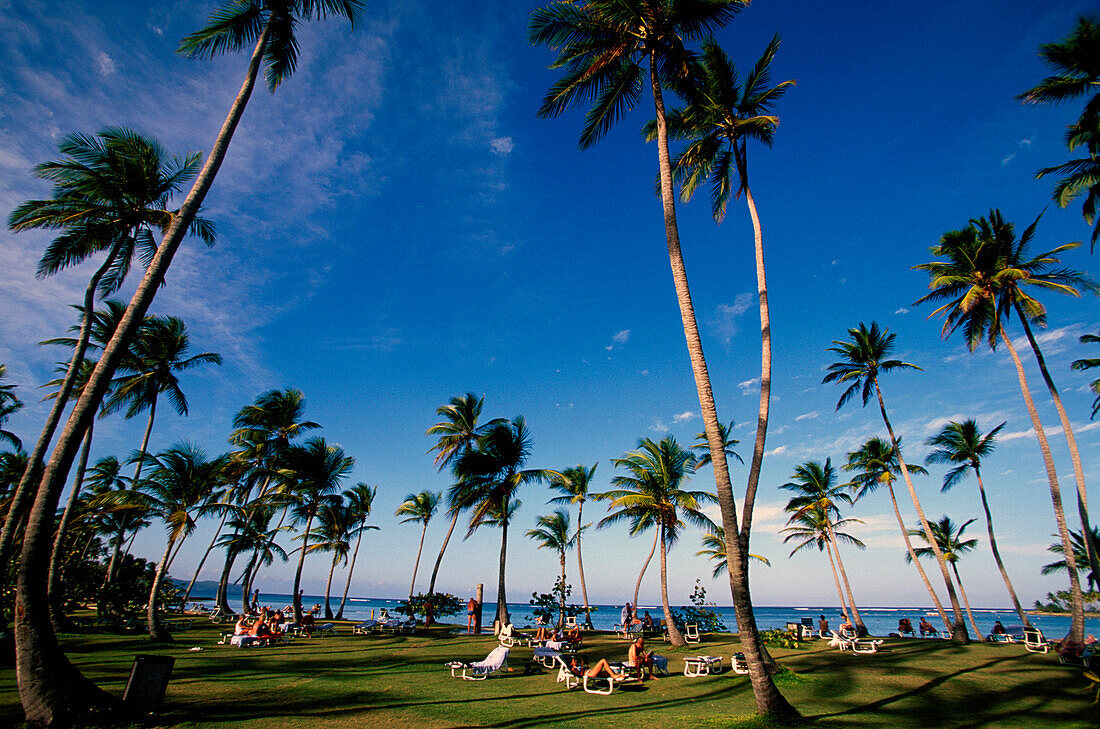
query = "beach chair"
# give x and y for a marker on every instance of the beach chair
(365, 628)
(856, 645)
(571, 621)
(508, 636)
(1034, 641)
(480, 670)
(565, 673)
(546, 656)
(695, 666)
(326, 629)
(691, 633)
(605, 685)
(738, 664)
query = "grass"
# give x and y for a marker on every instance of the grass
(398, 682)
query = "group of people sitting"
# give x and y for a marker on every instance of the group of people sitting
(905, 627)
(269, 625)
(544, 633)
(639, 660)
(628, 616)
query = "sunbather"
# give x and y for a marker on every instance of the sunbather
(926, 628)
(307, 624)
(242, 627)
(998, 629)
(602, 669)
(905, 627)
(640, 658)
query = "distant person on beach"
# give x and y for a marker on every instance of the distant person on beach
(471, 610)
(846, 626)
(998, 629)
(603, 669)
(255, 605)
(822, 626)
(624, 615)
(242, 627)
(906, 628)
(307, 623)
(647, 621)
(926, 628)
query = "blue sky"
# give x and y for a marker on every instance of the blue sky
(396, 227)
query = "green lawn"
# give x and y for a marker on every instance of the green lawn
(355, 681)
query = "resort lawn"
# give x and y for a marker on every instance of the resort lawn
(398, 682)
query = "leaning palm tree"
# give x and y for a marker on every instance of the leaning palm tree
(1077, 544)
(418, 508)
(553, 532)
(980, 282)
(333, 534)
(862, 357)
(574, 484)
(875, 463)
(1089, 363)
(1078, 74)
(964, 446)
(714, 549)
(605, 48)
(953, 546)
(52, 690)
(816, 489)
(653, 493)
(815, 527)
(360, 500)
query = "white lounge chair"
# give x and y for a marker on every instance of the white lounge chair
(702, 665)
(1035, 641)
(571, 621)
(480, 670)
(508, 636)
(856, 645)
(691, 633)
(606, 684)
(565, 674)
(365, 628)
(738, 664)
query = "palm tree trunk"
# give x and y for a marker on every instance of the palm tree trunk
(913, 558)
(836, 578)
(674, 636)
(438, 561)
(561, 607)
(351, 568)
(502, 599)
(645, 566)
(416, 564)
(966, 602)
(248, 578)
(997, 554)
(54, 579)
(217, 533)
(861, 629)
(155, 629)
(328, 589)
(24, 491)
(580, 568)
(1077, 602)
(221, 598)
(958, 628)
(1071, 443)
(297, 600)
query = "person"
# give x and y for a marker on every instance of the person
(624, 615)
(926, 628)
(471, 611)
(846, 626)
(602, 669)
(906, 627)
(307, 623)
(255, 605)
(647, 621)
(640, 658)
(822, 626)
(573, 635)
(543, 633)
(242, 627)
(998, 629)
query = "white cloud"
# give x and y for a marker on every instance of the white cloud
(683, 417)
(807, 416)
(902, 310)
(748, 386)
(659, 426)
(621, 337)
(502, 146)
(778, 450)
(104, 64)
(725, 316)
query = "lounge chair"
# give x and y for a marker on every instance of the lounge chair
(566, 674)
(738, 664)
(508, 636)
(605, 685)
(695, 666)
(480, 670)
(1034, 641)
(856, 645)
(398, 626)
(324, 629)
(571, 621)
(691, 633)
(365, 628)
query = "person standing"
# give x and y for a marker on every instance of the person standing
(255, 604)
(471, 612)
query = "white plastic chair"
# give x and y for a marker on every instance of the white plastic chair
(480, 670)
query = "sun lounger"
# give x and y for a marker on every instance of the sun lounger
(509, 637)
(565, 673)
(365, 628)
(695, 666)
(738, 664)
(326, 629)
(691, 633)
(856, 645)
(480, 670)
(605, 685)
(1035, 641)
(246, 641)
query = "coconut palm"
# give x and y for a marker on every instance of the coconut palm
(493, 472)
(1077, 543)
(51, 688)
(333, 534)
(418, 508)
(815, 527)
(251, 531)
(982, 282)
(953, 546)
(574, 483)
(312, 472)
(964, 446)
(360, 500)
(702, 445)
(874, 464)
(1078, 75)
(862, 357)
(1088, 364)
(605, 48)
(816, 488)
(714, 549)
(553, 532)
(653, 494)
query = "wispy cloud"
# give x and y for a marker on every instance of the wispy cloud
(726, 316)
(620, 337)
(749, 386)
(683, 417)
(807, 416)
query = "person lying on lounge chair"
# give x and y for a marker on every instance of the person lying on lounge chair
(573, 635)
(926, 628)
(602, 669)
(242, 626)
(998, 629)
(640, 658)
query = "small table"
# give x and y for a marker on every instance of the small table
(702, 665)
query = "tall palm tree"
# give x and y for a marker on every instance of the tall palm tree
(714, 549)
(52, 690)
(605, 47)
(875, 463)
(653, 493)
(1089, 363)
(862, 358)
(360, 500)
(978, 281)
(228, 499)
(815, 527)
(251, 531)
(333, 534)
(951, 543)
(816, 489)
(313, 472)
(964, 446)
(553, 532)
(1077, 544)
(1078, 74)
(420, 508)
(574, 483)
(493, 471)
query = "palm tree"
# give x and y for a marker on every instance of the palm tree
(815, 528)
(863, 357)
(1077, 544)
(553, 532)
(714, 549)
(359, 499)
(312, 471)
(980, 281)
(816, 488)
(51, 688)
(653, 494)
(602, 45)
(574, 484)
(333, 534)
(9, 404)
(1078, 74)
(875, 464)
(181, 481)
(418, 508)
(963, 446)
(493, 473)
(252, 532)
(702, 445)
(950, 541)
(1088, 364)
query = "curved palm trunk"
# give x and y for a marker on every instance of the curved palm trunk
(297, 600)
(217, 533)
(416, 564)
(768, 699)
(222, 596)
(966, 602)
(25, 490)
(997, 554)
(502, 599)
(351, 568)
(1071, 443)
(645, 566)
(155, 629)
(1077, 602)
(958, 628)
(248, 578)
(913, 557)
(57, 611)
(580, 569)
(561, 607)
(438, 561)
(857, 620)
(836, 577)
(674, 636)
(328, 589)
(113, 565)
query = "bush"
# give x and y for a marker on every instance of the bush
(700, 612)
(442, 605)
